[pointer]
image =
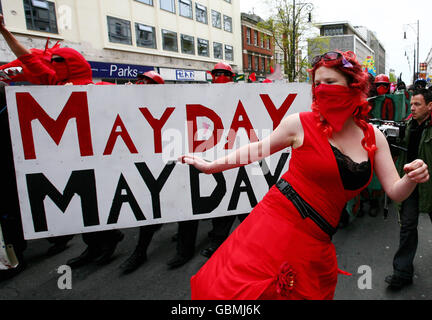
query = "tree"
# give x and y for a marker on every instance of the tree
(288, 25)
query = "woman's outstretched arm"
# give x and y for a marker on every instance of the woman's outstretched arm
(288, 133)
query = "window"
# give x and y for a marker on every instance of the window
(187, 44)
(216, 19)
(249, 62)
(119, 30)
(279, 58)
(145, 36)
(201, 13)
(229, 54)
(203, 48)
(40, 15)
(262, 40)
(149, 2)
(168, 5)
(217, 50)
(262, 64)
(256, 63)
(248, 36)
(227, 23)
(185, 8)
(333, 31)
(169, 40)
(255, 38)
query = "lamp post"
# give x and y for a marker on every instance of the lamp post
(416, 58)
(302, 5)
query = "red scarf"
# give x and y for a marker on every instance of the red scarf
(337, 103)
(222, 79)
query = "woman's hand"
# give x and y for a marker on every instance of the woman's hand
(417, 171)
(199, 163)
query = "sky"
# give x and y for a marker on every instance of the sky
(388, 19)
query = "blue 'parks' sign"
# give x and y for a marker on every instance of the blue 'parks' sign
(117, 71)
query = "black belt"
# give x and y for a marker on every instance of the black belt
(305, 210)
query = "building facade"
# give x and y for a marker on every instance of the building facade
(258, 47)
(377, 47)
(343, 36)
(181, 39)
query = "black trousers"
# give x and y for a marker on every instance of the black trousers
(187, 233)
(100, 239)
(145, 236)
(222, 227)
(12, 231)
(408, 220)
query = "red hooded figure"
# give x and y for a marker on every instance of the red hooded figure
(150, 77)
(222, 73)
(382, 83)
(56, 66)
(71, 66)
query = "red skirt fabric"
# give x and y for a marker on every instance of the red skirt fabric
(273, 255)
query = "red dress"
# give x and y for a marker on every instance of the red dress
(275, 254)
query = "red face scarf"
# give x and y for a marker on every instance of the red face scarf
(222, 79)
(336, 103)
(382, 90)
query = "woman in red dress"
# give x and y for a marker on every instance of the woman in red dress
(283, 250)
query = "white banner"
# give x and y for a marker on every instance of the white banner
(91, 158)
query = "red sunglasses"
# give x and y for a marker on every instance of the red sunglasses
(332, 56)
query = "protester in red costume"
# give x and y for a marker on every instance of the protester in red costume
(222, 73)
(283, 250)
(382, 83)
(221, 227)
(66, 66)
(150, 77)
(139, 256)
(61, 66)
(54, 66)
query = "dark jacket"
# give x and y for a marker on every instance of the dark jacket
(424, 153)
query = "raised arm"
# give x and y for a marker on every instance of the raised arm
(17, 48)
(397, 188)
(288, 133)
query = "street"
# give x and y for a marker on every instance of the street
(368, 243)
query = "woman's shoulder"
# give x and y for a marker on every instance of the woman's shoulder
(306, 118)
(293, 118)
(307, 115)
(301, 116)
